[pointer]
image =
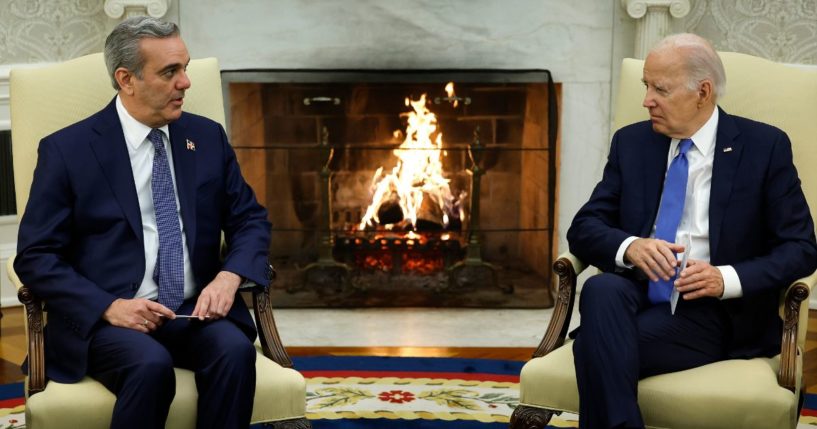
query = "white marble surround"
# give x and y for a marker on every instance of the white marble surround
(571, 39)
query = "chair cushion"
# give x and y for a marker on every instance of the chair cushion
(279, 395)
(734, 393)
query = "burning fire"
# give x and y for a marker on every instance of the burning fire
(416, 184)
(449, 89)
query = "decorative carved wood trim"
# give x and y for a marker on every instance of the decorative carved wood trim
(36, 351)
(271, 343)
(525, 417)
(301, 423)
(562, 310)
(787, 374)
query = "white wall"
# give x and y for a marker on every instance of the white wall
(8, 224)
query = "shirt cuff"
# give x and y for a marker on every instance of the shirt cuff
(731, 282)
(620, 254)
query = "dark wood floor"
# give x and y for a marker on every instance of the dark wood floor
(12, 350)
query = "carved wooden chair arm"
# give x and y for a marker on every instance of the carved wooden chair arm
(793, 313)
(271, 343)
(567, 267)
(34, 335)
(36, 342)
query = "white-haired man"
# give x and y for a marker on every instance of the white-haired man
(691, 179)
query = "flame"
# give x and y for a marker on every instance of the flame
(449, 89)
(418, 173)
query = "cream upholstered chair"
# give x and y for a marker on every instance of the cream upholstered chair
(44, 100)
(756, 393)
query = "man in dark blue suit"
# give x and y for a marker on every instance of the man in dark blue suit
(692, 179)
(122, 233)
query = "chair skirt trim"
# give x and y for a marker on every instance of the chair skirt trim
(525, 417)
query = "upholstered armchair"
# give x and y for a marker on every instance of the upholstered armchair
(755, 393)
(46, 99)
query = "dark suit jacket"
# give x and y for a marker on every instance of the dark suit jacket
(759, 221)
(80, 243)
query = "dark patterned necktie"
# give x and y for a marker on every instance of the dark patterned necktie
(169, 272)
(669, 214)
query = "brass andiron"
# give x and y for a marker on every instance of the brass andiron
(470, 270)
(326, 270)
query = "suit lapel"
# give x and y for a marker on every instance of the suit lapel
(184, 165)
(728, 150)
(111, 152)
(654, 170)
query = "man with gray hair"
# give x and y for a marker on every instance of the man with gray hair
(122, 235)
(721, 190)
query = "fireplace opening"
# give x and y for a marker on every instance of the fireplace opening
(409, 188)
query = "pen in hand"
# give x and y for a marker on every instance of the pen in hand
(183, 316)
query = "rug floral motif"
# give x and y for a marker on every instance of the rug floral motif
(410, 398)
(13, 418)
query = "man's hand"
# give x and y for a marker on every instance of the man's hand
(656, 258)
(140, 314)
(698, 280)
(217, 298)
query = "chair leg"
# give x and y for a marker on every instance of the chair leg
(301, 423)
(525, 417)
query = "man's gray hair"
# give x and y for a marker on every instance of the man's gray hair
(701, 60)
(122, 45)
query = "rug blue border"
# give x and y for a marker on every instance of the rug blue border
(11, 391)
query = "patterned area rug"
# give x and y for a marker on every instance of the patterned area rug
(12, 406)
(385, 392)
(425, 393)
(352, 392)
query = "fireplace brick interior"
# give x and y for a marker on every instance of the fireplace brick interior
(276, 128)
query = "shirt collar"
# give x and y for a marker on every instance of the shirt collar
(136, 133)
(704, 138)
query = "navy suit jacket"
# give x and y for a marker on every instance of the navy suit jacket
(80, 242)
(759, 220)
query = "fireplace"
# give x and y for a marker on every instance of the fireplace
(386, 188)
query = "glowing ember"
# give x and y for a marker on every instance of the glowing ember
(415, 186)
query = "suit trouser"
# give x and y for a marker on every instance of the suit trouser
(623, 338)
(138, 369)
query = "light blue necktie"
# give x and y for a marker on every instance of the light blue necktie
(169, 272)
(669, 214)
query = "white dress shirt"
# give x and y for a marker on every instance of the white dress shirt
(695, 218)
(141, 151)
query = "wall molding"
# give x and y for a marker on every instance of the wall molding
(5, 91)
(8, 297)
(5, 99)
(653, 20)
(123, 9)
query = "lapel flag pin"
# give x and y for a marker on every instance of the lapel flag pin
(726, 149)
(191, 145)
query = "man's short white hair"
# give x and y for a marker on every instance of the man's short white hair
(700, 58)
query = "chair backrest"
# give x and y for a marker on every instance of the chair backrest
(46, 99)
(778, 94)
